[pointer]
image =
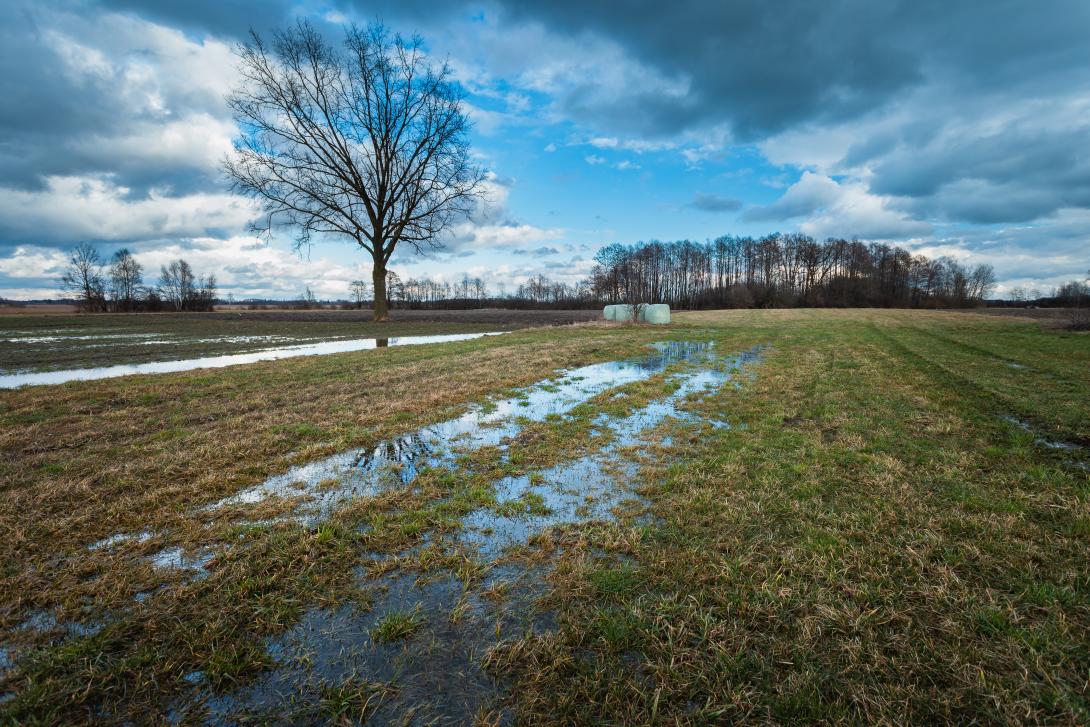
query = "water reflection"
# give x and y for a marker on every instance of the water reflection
(436, 673)
(329, 482)
(11, 381)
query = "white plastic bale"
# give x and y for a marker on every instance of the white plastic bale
(610, 312)
(657, 314)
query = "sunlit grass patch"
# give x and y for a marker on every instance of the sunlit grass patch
(396, 625)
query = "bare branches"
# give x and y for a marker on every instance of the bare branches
(367, 141)
(84, 278)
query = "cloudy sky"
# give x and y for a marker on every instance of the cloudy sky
(952, 128)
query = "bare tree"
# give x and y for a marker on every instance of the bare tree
(84, 278)
(205, 298)
(1075, 295)
(307, 300)
(177, 284)
(359, 292)
(366, 140)
(126, 277)
(981, 283)
(394, 290)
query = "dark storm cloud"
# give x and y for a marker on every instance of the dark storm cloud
(1016, 174)
(57, 119)
(232, 18)
(762, 67)
(767, 66)
(41, 105)
(105, 102)
(715, 203)
(1001, 141)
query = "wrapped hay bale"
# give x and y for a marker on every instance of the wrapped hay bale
(658, 314)
(623, 313)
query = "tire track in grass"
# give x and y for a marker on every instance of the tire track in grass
(1025, 396)
(988, 353)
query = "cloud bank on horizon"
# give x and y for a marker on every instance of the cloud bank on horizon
(950, 128)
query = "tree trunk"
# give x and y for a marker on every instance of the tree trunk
(381, 306)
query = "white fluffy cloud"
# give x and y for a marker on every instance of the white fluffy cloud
(823, 207)
(244, 266)
(73, 208)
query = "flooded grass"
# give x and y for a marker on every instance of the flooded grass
(779, 516)
(328, 483)
(31, 343)
(324, 348)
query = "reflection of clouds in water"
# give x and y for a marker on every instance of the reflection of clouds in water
(11, 381)
(437, 669)
(330, 482)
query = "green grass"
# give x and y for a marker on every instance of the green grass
(870, 541)
(395, 626)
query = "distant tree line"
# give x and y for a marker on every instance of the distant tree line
(1072, 294)
(472, 292)
(783, 271)
(732, 272)
(537, 292)
(118, 286)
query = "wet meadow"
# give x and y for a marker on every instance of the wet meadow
(769, 516)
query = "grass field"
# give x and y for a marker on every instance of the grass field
(872, 516)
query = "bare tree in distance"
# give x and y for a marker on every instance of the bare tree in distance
(183, 290)
(84, 278)
(126, 277)
(366, 141)
(359, 292)
(177, 283)
(1076, 294)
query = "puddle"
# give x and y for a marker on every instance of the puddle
(123, 338)
(435, 671)
(41, 624)
(175, 558)
(118, 538)
(330, 482)
(590, 487)
(1048, 443)
(14, 380)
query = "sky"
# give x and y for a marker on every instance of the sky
(947, 127)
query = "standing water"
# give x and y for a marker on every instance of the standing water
(32, 378)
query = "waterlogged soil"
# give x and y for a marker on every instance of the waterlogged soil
(432, 675)
(1073, 452)
(329, 483)
(54, 342)
(855, 535)
(38, 378)
(412, 645)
